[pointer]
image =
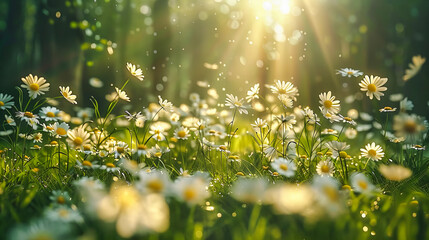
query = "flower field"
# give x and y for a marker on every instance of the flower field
(213, 168)
(214, 119)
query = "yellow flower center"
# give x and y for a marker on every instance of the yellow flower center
(189, 194)
(343, 154)
(61, 131)
(78, 141)
(110, 165)
(181, 134)
(35, 170)
(120, 149)
(1, 104)
(325, 169)
(348, 119)
(327, 103)
(283, 167)
(155, 185)
(363, 184)
(87, 147)
(61, 200)
(65, 94)
(372, 88)
(410, 126)
(158, 154)
(50, 114)
(222, 147)
(372, 153)
(240, 174)
(49, 128)
(28, 114)
(42, 236)
(388, 108)
(212, 131)
(282, 91)
(87, 163)
(349, 72)
(34, 87)
(63, 213)
(331, 193)
(141, 147)
(54, 143)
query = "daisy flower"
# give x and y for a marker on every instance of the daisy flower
(285, 88)
(409, 126)
(133, 116)
(109, 167)
(122, 94)
(192, 190)
(372, 151)
(233, 102)
(329, 104)
(141, 150)
(35, 86)
(136, 72)
(63, 214)
(286, 101)
(373, 86)
(181, 133)
(387, 109)
(85, 113)
(27, 116)
(249, 190)
(78, 137)
(49, 113)
(335, 146)
(67, 94)
(259, 124)
(166, 105)
(158, 151)
(5, 101)
(414, 67)
(331, 117)
(360, 183)
(284, 167)
(395, 172)
(121, 149)
(10, 120)
(155, 181)
(158, 132)
(349, 72)
(253, 93)
(41, 229)
(60, 198)
(60, 129)
(37, 137)
(406, 105)
(328, 195)
(325, 168)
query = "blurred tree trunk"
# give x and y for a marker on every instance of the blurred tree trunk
(60, 57)
(12, 43)
(161, 42)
